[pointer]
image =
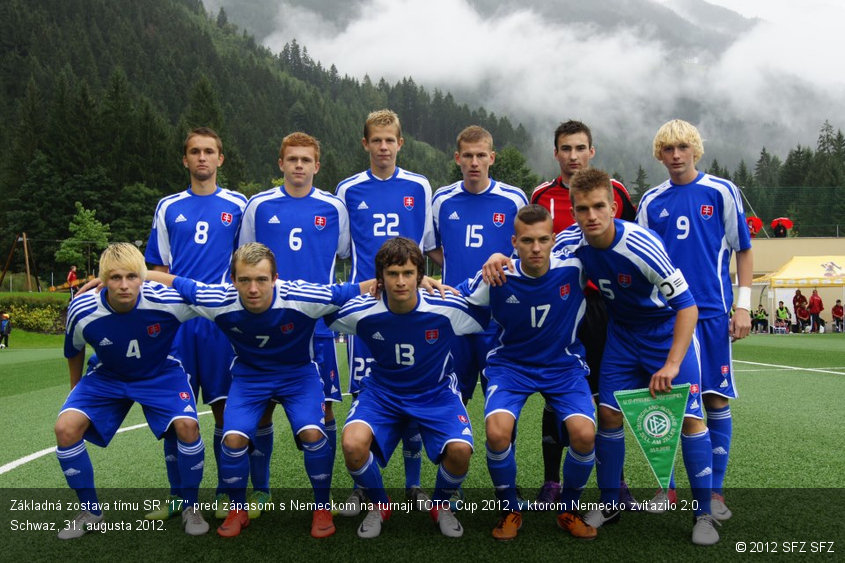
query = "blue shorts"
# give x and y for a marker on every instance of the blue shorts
(631, 358)
(716, 357)
(207, 356)
(105, 401)
(360, 359)
(567, 392)
(440, 415)
(469, 358)
(326, 358)
(299, 390)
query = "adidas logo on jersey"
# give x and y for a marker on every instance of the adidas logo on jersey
(71, 472)
(180, 219)
(723, 384)
(704, 472)
(512, 300)
(105, 342)
(198, 466)
(188, 408)
(467, 431)
(694, 404)
(274, 220)
(334, 389)
(378, 336)
(454, 216)
(363, 205)
(664, 213)
(720, 451)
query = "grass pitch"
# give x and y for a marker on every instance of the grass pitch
(784, 482)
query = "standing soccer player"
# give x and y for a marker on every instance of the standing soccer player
(385, 202)
(539, 309)
(473, 219)
(270, 323)
(701, 221)
(573, 150)
(131, 326)
(652, 319)
(306, 228)
(410, 335)
(193, 235)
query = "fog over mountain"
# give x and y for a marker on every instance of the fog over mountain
(622, 66)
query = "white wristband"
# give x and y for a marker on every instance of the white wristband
(743, 298)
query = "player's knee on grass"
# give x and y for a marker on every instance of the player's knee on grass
(310, 435)
(714, 402)
(609, 418)
(693, 426)
(456, 457)
(70, 428)
(499, 428)
(235, 441)
(582, 433)
(356, 442)
(187, 429)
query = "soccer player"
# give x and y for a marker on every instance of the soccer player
(701, 221)
(306, 228)
(131, 326)
(538, 309)
(270, 324)
(652, 319)
(573, 150)
(384, 202)
(410, 335)
(473, 218)
(194, 234)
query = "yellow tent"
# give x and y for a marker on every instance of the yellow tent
(808, 271)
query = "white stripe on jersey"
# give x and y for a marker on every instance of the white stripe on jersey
(160, 226)
(454, 308)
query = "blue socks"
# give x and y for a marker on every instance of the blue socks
(369, 479)
(697, 455)
(502, 467)
(576, 472)
(446, 484)
(171, 456)
(79, 473)
(259, 459)
(218, 457)
(234, 472)
(610, 457)
(319, 462)
(412, 454)
(191, 460)
(720, 423)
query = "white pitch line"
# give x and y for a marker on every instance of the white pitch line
(792, 368)
(47, 451)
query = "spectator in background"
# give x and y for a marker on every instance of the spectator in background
(783, 318)
(6, 329)
(72, 282)
(760, 322)
(798, 299)
(838, 317)
(802, 318)
(780, 231)
(816, 307)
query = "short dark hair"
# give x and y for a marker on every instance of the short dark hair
(396, 252)
(570, 128)
(203, 132)
(533, 213)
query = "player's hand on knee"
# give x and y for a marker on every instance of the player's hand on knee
(493, 271)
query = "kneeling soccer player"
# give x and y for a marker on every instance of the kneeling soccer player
(270, 323)
(131, 326)
(539, 309)
(409, 334)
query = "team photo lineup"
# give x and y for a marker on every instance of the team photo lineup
(572, 293)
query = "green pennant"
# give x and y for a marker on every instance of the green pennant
(656, 423)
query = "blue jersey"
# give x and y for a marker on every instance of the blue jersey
(701, 224)
(539, 317)
(305, 233)
(195, 235)
(634, 274)
(280, 336)
(470, 227)
(384, 209)
(411, 350)
(129, 346)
